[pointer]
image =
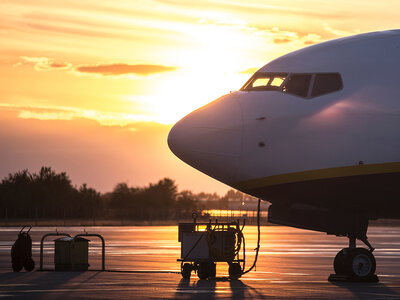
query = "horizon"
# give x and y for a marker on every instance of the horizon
(92, 89)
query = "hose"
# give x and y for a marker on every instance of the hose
(227, 254)
(258, 240)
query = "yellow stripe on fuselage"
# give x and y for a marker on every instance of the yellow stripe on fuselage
(318, 174)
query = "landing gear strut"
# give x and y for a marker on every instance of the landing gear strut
(355, 264)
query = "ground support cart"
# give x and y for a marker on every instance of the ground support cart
(21, 251)
(205, 244)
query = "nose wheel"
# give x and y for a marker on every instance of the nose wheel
(358, 263)
(355, 264)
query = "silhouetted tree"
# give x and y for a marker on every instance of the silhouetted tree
(47, 193)
(187, 203)
(90, 200)
(52, 195)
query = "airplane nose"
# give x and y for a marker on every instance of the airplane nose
(210, 138)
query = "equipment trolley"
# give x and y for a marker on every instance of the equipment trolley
(205, 244)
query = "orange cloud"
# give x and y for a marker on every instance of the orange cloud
(339, 32)
(42, 112)
(43, 63)
(282, 41)
(249, 71)
(124, 69)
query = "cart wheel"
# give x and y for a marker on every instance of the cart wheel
(29, 264)
(204, 270)
(16, 266)
(235, 271)
(186, 270)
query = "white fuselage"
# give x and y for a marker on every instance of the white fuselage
(248, 139)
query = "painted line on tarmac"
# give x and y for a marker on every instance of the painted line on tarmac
(76, 290)
(211, 291)
(395, 296)
(15, 284)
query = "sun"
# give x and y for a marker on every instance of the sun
(211, 67)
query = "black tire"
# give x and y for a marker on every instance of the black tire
(17, 266)
(339, 263)
(203, 270)
(29, 264)
(235, 271)
(360, 264)
(213, 269)
(187, 271)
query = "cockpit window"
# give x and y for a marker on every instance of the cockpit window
(298, 84)
(303, 85)
(260, 82)
(264, 82)
(325, 83)
(277, 81)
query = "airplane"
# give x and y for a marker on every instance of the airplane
(314, 132)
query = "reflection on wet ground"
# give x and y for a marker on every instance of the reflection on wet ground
(293, 263)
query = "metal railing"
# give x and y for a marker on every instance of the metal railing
(103, 244)
(103, 248)
(41, 244)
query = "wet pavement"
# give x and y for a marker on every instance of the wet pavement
(292, 264)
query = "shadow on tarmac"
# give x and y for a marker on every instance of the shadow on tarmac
(202, 289)
(366, 290)
(42, 280)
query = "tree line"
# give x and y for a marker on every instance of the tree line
(51, 195)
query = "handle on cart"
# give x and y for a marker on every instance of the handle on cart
(30, 227)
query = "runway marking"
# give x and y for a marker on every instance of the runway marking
(282, 273)
(124, 283)
(210, 291)
(91, 290)
(15, 284)
(396, 296)
(196, 291)
(94, 290)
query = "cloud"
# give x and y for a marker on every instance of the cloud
(114, 69)
(249, 71)
(282, 41)
(311, 39)
(273, 35)
(339, 32)
(43, 63)
(118, 69)
(44, 112)
(278, 36)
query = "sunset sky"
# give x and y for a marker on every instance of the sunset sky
(93, 87)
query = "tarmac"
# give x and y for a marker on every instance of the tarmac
(141, 264)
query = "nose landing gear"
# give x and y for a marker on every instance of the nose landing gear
(355, 264)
